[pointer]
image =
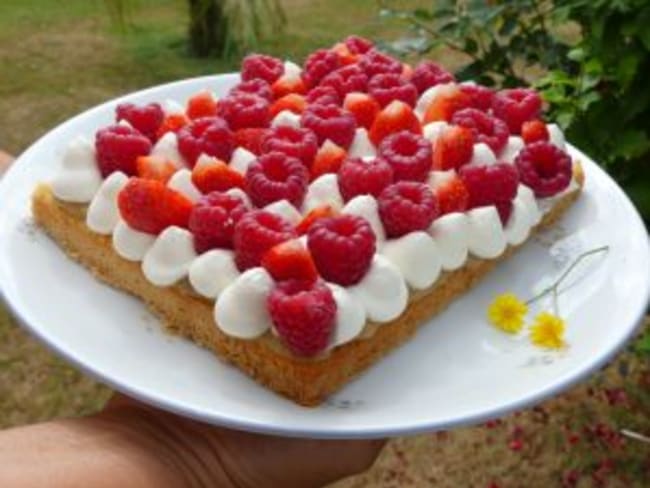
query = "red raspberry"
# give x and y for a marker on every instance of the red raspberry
(323, 95)
(261, 66)
(213, 220)
(303, 314)
(407, 206)
(409, 155)
(452, 196)
(245, 110)
(299, 142)
(427, 74)
(209, 135)
(318, 65)
(250, 139)
(256, 86)
(516, 106)
(358, 45)
(533, 131)
(545, 168)
(118, 148)
(491, 185)
(342, 248)
(374, 62)
(487, 129)
(346, 80)
(480, 96)
(145, 118)
(330, 122)
(358, 177)
(255, 233)
(386, 87)
(275, 176)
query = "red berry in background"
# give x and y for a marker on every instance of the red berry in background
(453, 148)
(516, 106)
(172, 123)
(407, 206)
(427, 74)
(445, 105)
(342, 248)
(290, 260)
(323, 95)
(256, 232)
(201, 105)
(261, 66)
(212, 220)
(495, 184)
(409, 155)
(363, 107)
(358, 44)
(250, 139)
(275, 176)
(533, 131)
(118, 148)
(216, 176)
(256, 86)
(319, 64)
(346, 80)
(330, 122)
(328, 159)
(387, 87)
(298, 142)
(144, 118)
(312, 216)
(303, 314)
(375, 62)
(244, 110)
(452, 196)
(209, 135)
(395, 117)
(293, 103)
(150, 206)
(155, 168)
(487, 129)
(359, 177)
(480, 96)
(545, 168)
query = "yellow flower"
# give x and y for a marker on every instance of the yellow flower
(548, 331)
(507, 313)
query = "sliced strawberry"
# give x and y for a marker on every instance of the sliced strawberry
(533, 131)
(312, 216)
(453, 148)
(363, 107)
(150, 206)
(345, 55)
(216, 176)
(251, 139)
(172, 123)
(155, 168)
(286, 85)
(290, 260)
(407, 71)
(452, 196)
(395, 117)
(328, 159)
(293, 102)
(200, 105)
(446, 104)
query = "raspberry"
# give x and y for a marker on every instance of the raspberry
(255, 233)
(342, 248)
(480, 96)
(358, 45)
(216, 176)
(290, 260)
(213, 219)
(516, 106)
(155, 168)
(387, 87)
(286, 85)
(209, 135)
(407, 206)
(318, 65)
(346, 80)
(487, 129)
(491, 185)
(374, 62)
(453, 148)
(256, 86)
(323, 95)
(408, 154)
(328, 159)
(544, 167)
(533, 131)
(363, 107)
(275, 176)
(201, 105)
(245, 110)
(261, 66)
(358, 177)
(396, 116)
(299, 142)
(118, 148)
(149, 206)
(452, 196)
(427, 74)
(144, 118)
(303, 314)
(330, 122)
(292, 102)
(250, 139)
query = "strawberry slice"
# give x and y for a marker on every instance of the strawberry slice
(452, 196)
(155, 168)
(150, 206)
(216, 176)
(363, 107)
(345, 55)
(312, 216)
(200, 105)
(290, 260)
(533, 131)
(407, 71)
(251, 138)
(453, 148)
(172, 123)
(328, 159)
(395, 117)
(286, 85)
(446, 104)
(293, 102)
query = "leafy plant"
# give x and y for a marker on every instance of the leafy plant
(588, 58)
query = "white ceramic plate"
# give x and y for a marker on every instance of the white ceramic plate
(457, 370)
